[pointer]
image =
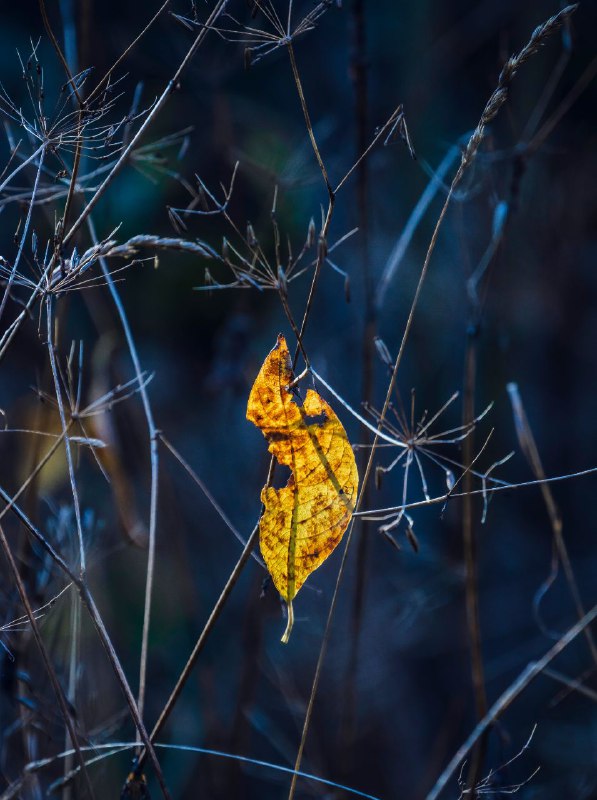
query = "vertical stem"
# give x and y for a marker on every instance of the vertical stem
(154, 457)
(358, 72)
(13, 272)
(470, 558)
(67, 447)
(64, 709)
(71, 692)
(301, 94)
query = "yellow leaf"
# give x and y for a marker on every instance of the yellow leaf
(304, 521)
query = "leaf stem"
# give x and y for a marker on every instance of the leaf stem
(289, 624)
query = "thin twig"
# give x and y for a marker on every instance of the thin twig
(98, 623)
(219, 510)
(154, 461)
(379, 514)
(531, 453)
(159, 104)
(301, 94)
(208, 627)
(24, 234)
(58, 690)
(67, 447)
(470, 556)
(358, 71)
(530, 672)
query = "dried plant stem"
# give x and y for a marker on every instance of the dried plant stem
(119, 672)
(154, 460)
(282, 294)
(318, 265)
(98, 623)
(399, 249)
(571, 685)
(358, 71)
(58, 690)
(35, 154)
(470, 558)
(534, 669)
(12, 330)
(216, 506)
(58, 49)
(493, 105)
(79, 143)
(15, 325)
(159, 104)
(323, 235)
(199, 645)
(217, 610)
(67, 447)
(125, 52)
(301, 94)
(254, 536)
(73, 671)
(382, 514)
(348, 536)
(39, 466)
(573, 95)
(25, 232)
(531, 452)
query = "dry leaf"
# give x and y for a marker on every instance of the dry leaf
(303, 522)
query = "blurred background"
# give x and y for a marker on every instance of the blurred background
(396, 695)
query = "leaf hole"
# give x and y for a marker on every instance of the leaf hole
(316, 419)
(281, 477)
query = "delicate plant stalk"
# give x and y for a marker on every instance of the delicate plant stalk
(506, 699)
(217, 508)
(23, 240)
(159, 104)
(531, 452)
(301, 94)
(399, 249)
(199, 645)
(59, 692)
(348, 536)
(470, 558)
(11, 332)
(126, 51)
(154, 457)
(73, 668)
(22, 165)
(382, 514)
(67, 447)
(34, 473)
(358, 68)
(98, 623)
